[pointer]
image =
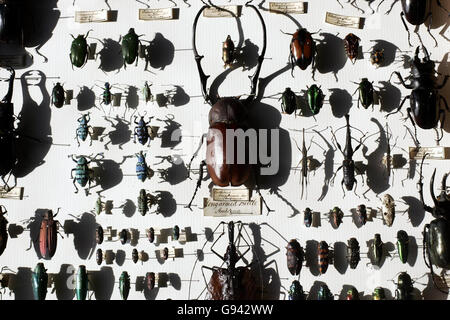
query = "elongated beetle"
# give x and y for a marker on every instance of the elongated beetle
(308, 217)
(3, 229)
(288, 101)
(135, 255)
(388, 209)
(99, 234)
(225, 114)
(295, 256)
(106, 95)
(151, 234)
(58, 95)
(336, 216)
(123, 236)
(79, 50)
(353, 255)
(141, 131)
(48, 235)
(366, 91)
(436, 234)
(351, 44)
(296, 291)
(176, 232)
(130, 47)
(361, 211)
(405, 287)
(376, 250)
(228, 52)
(402, 245)
(324, 257)
(142, 170)
(146, 201)
(124, 285)
(81, 283)
(424, 99)
(324, 293)
(83, 129)
(39, 281)
(315, 98)
(379, 294)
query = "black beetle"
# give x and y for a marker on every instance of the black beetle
(366, 92)
(353, 256)
(404, 287)
(99, 234)
(308, 219)
(361, 210)
(424, 98)
(79, 50)
(296, 291)
(176, 232)
(376, 250)
(58, 95)
(288, 101)
(123, 236)
(130, 47)
(3, 229)
(99, 256)
(151, 234)
(135, 255)
(295, 257)
(402, 245)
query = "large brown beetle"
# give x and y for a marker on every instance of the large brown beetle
(48, 235)
(228, 113)
(302, 49)
(436, 234)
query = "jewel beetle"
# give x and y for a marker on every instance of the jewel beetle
(130, 47)
(150, 280)
(79, 50)
(353, 255)
(81, 283)
(366, 92)
(295, 256)
(324, 293)
(402, 245)
(379, 294)
(39, 281)
(288, 101)
(336, 215)
(58, 95)
(296, 291)
(351, 44)
(315, 98)
(324, 257)
(3, 229)
(376, 250)
(124, 285)
(308, 217)
(176, 232)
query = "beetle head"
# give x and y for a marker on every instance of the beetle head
(423, 65)
(82, 160)
(107, 85)
(131, 31)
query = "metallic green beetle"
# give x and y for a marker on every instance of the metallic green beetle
(99, 205)
(147, 93)
(379, 294)
(288, 101)
(315, 98)
(366, 91)
(296, 291)
(81, 283)
(39, 281)
(124, 285)
(402, 245)
(130, 47)
(79, 51)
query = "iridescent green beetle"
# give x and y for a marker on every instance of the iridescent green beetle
(315, 98)
(39, 281)
(79, 50)
(296, 291)
(124, 285)
(402, 245)
(288, 101)
(99, 205)
(379, 294)
(81, 283)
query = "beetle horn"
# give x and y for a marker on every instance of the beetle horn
(427, 55)
(255, 76)
(432, 188)
(416, 55)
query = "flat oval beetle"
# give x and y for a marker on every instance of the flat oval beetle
(302, 49)
(288, 101)
(130, 47)
(315, 98)
(39, 281)
(353, 255)
(402, 245)
(99, 256)
(351, 44)
(366, 92)
(295, 256)
(124, 285)
(165, 253)
(3, 229)
(79, 50)
(58, 95)
(296, 291)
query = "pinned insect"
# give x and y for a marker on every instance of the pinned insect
(147, 92)
(324, 293)
(315, 98)
(146, 201)
(302, 49)
(324, 257)
(81, 283)
(376, 250)
(79, 50)
(83, 174)
(295, 256)
(176, 232)
(388, 209)
(336, 216)
(39, 281)
(58, 95)
(151, 234)
(142, 131)
(352, 294)
(402, 245)
(143, 172)
(366, 93)
(308, 219)
(353, 255)
(379, 294)
(124, 285)
(48, 234)
(377, 57)
(106, 97)
(296, 291)
(361, 212)
(83, 129)
(351, 44)
(405, 287)
(3, 229)
(130, 47)
(288, 101)
(228, 52)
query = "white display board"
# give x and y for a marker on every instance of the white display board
(46, 168)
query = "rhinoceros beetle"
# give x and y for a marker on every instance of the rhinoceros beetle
(436, 234)
(227, 113)
(425, 100)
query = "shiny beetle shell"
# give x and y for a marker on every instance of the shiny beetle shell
(99, 256)
(353, 255)
(377, 250)
(303, 48)
(351, 44)
(39, 281)
(147, 92)
(228, 52)
(58, 95)
(99, 234)
(288, 101)
(352, 294)
(296, 291)
(324, 257)
(48, 235)
(402, 245)
(379, 294)
(295, 257)
(130, 46)
(388, 209)
(361, 211)
(150, 280)
(79, 51)
(308, 217)
(165, 253)
(151, 235)
(135, 255)
(124, 285)
(176, 232)
(336, 216)
(315, 99)
(324, 293)
(81, 283)
(366, 93)
(123, 235)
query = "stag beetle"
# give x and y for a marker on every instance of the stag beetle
(416, 13)
(424, 98)
(436, 234)
(226, 114)
(141, 131)
(3, 229)
(83, 129)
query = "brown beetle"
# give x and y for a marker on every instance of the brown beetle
(227, 113)
(99, 256)
(150, 280)
(351, 43)
(295, 257)
(151, 234)
(228, 52)
(165, 253)
(48, 235)
(302, 49)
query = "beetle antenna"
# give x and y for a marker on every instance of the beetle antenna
(289, 34)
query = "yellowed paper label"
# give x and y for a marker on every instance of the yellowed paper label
(287, 7)
(343, 21)
(214, 12)
(91, 16)
(434, 153)
(231, 194)
(213, 208)
(14, 193)
(156, 14)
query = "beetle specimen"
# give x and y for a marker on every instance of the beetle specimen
(324, 257)
(288, 101)
(377, 57)
(416, 12)
(352, 294)
(376, 250)
(302, 49)
(150, 280)
(3, 229)
(228, 52)
(353, 255)
(424, 99)
(48, 235)
(388, 209)
(81, 283)
(315, 98)
(366, 92)
(83, 174)
(106, 95)
(308, 217)
(402, 245)
(295, 256)
(176, 232)
(39, 281)
(151, 234)
(108, 256)
(361, 211)
(405, 287)
(123, 236)
(225, 114)
(142, 170)
(130, 47)
(147, 93)
(135, 255)
(99, 234)
(79, 50)
(296, 291)
(83, 129)
(379, 294)
(141, 131)
(145, 201)
(58, 95)
(348, 165)
(124, 285)
(351, 44)
(165, 253)
(304, 164)
(336, 216)
(324, 293)
(436, 234)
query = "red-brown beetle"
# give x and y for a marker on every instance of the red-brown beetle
(295, 257)
(228, 52)
(48, 235)
(302, 49)
(226, 113)
(351, 44)
(150, 280)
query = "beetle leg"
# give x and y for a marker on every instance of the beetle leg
(340, 4)
(355, 6)
(75, 185)
(413, 123)
(443, 84)
(199, 182)
(334, 176)
(342, 185)
(259, 192)
(430, 15)
(406, 27)
(399, 107)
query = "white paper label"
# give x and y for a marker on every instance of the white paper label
(343, 21)
(287, 7)
(14, 193)
(91, 16)
(434, 153)
(182, 237)
(156, 14)
(214, 12)
(231, 194)
(213, 208)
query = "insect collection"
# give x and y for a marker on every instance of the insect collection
(117, 179)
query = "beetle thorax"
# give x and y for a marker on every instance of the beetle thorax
(228, 110)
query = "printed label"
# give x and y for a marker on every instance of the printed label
(231, 194)
(227, 12)
(434, 153)
(156, 14)
(287, 7)
(213, 208)
(92, 16)
(14, 193)
(343, 21)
